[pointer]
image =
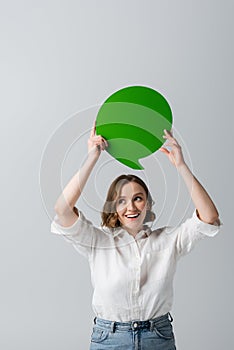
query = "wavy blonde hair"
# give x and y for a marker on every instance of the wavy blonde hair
(109, 214)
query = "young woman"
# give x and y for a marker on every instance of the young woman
(132, 266)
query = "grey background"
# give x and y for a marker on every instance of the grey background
(60, 59)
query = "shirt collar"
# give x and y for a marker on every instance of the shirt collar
(146, 230)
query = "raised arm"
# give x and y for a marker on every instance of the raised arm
(65, 204)
(206, 209)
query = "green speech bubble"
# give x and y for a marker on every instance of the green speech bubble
(132, 120)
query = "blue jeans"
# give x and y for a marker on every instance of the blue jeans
(154, 334)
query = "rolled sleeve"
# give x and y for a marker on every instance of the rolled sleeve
(192, 231)
(80, 234)
(210, 230)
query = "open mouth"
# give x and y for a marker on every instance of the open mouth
(132, 216)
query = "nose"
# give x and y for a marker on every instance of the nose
(131, 205)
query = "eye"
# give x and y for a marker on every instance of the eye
(138, 198)
(121, 201)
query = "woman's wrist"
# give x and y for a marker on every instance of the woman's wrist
(93, 155)
(182, 167)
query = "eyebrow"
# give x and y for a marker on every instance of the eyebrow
(135, 194)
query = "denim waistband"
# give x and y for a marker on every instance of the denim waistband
(132, 325)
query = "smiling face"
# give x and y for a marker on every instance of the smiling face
(131, 206)
(113, 211)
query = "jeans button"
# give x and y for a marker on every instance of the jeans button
(135, 325)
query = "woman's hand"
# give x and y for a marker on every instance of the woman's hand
(96, 143)
(175, 155)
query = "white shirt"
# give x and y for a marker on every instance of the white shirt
(133, 277)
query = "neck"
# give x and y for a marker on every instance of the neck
(133, 232)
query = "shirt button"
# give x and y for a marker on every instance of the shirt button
(135, 325)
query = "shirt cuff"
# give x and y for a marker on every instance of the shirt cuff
(205, 228)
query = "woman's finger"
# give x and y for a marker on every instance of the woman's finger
(101, 139)
(102, 145)
(100, 142)
(171, 143)
(97, 138)
(106, 143)
(168, 132)
(164, 150)
(93, 129)
(171, 139)
(168, 135)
